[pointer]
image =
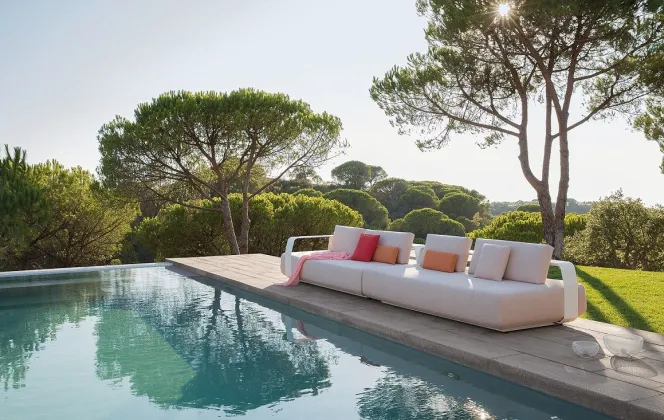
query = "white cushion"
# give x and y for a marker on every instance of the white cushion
(528, 262)
(493, 263)
(452, 244)
(345, 239)
(402, 240)
(342, 275)
(505, 305)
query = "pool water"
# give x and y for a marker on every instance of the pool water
(153, 343)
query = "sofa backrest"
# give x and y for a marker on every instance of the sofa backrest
(402, 240)
(344, 239)
(453, 244)
(527, 263)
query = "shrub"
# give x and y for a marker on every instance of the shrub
(424, 221)
(458, 204)
(309, 192)
(375, 214)
(524, 227)
(179, 231)
(620, 233)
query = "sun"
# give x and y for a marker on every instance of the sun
(504, 9)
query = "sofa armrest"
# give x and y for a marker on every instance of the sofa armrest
(289, 249)
(570, 290)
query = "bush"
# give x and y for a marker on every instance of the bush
(424, 221)
(309, 192)
(458, 204)
(375, 214)
(620, 233)
(179, 231)
(524, 227)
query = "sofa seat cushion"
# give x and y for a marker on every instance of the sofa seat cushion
(344, 276)
(402, 240)
(502, 305)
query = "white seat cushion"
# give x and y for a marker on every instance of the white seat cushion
(502, 305)
(527, 263)
(402, 240)
(452, 244)
(344, 276)
(344, 239)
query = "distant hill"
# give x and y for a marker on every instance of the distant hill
(573, 206)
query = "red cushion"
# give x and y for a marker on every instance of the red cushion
(366, 247)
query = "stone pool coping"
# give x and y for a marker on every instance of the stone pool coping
(540, 358)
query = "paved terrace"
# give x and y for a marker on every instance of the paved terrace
(540, 358)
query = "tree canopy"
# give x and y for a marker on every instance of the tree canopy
(357, 175)
(374, 214)
(484, 71)
(185, 145)
(424, 221)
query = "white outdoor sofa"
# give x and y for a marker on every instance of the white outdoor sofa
(525, 298)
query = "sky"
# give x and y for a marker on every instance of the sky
(68, 67)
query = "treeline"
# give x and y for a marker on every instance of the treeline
(499, 207)
(51, 216)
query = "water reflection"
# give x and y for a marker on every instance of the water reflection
(200, 347)
(30, 316)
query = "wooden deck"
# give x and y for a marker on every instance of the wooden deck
(540, 358)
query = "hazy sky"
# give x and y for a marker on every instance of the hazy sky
(68, 67)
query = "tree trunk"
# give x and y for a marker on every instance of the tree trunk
(228, 225)
(561, 200)
(244, 228)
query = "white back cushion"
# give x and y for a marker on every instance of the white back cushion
(452, 244)
(344, 239)
(493, 263)
(528, 262)
(402, 240)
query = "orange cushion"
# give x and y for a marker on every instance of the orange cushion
(386, 254)
(440, 261)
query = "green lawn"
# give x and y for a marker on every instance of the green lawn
(623, 297)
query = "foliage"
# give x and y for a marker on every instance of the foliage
(357, 175)
(424, 221)
(389, 191)
(524, 227)
(458, 204)
(415, 198)
(78, 223)
(309, 192)
(469, 225)
(180, 231)
(620, 232)
(21, 201)
(529, 208)
(651, 122)
(203, 145)
(483, 71)
(374, 214)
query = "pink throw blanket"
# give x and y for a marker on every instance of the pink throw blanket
(295, 276)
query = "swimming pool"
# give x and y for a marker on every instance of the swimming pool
(153, 343)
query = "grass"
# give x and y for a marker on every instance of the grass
(623, 297)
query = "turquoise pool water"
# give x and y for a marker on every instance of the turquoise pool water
(152, 343)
